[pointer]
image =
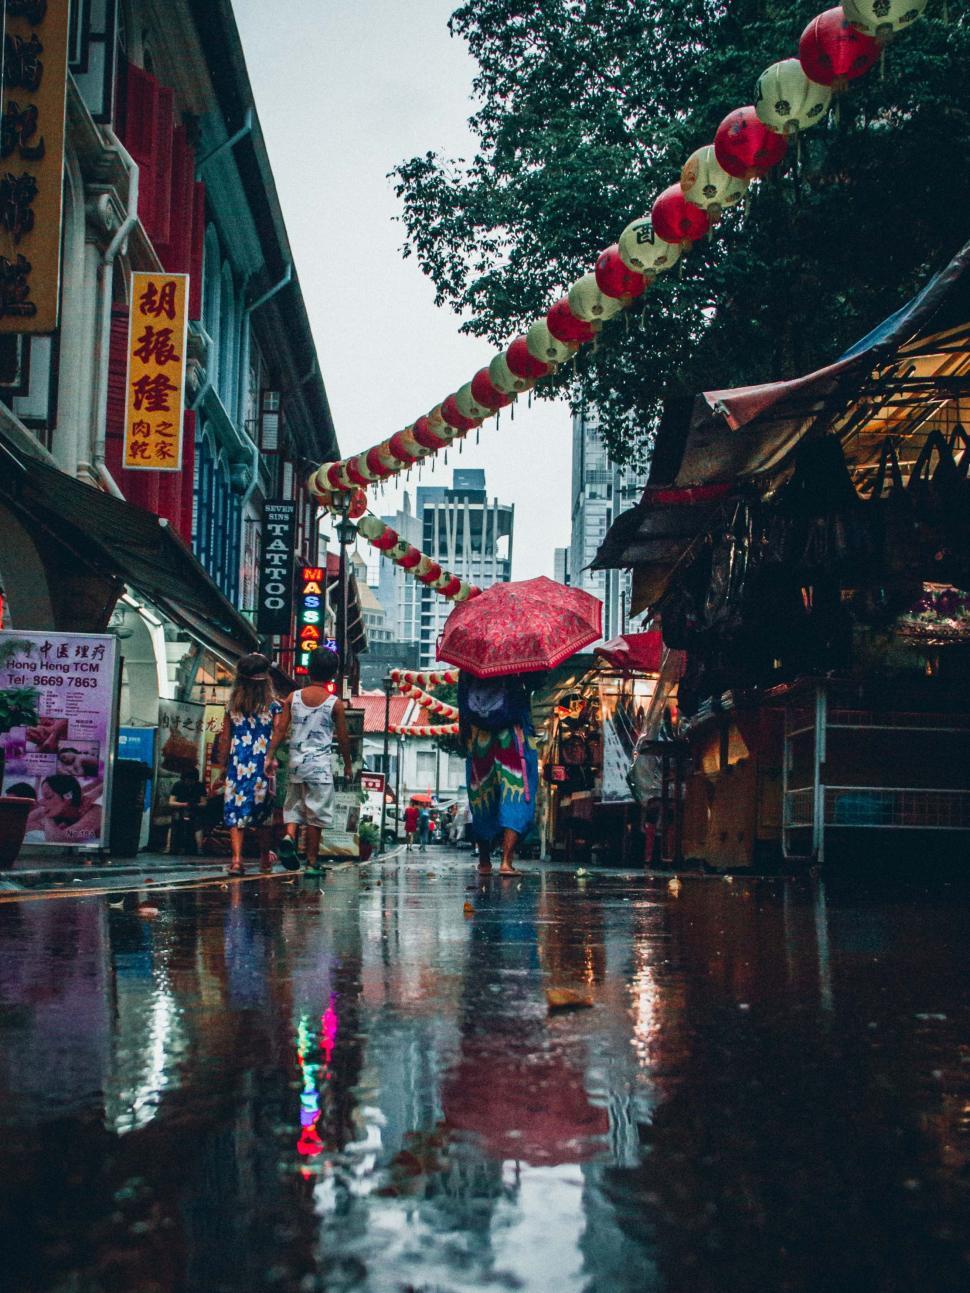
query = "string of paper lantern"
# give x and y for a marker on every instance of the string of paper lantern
(414, 561)
(791, 96)
(439, 707)
(424, 729)
(427, 680)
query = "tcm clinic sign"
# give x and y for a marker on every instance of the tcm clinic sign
(311, 615)
(275, 607)
(157, 333)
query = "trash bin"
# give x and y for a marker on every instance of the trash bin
(127, 806)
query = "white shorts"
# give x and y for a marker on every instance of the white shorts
(309, 803)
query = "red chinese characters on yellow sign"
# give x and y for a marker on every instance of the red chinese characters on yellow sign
(156, 372)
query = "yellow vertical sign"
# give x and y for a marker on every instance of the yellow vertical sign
(32, 166)
(157, 333)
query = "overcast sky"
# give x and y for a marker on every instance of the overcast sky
(345, 89)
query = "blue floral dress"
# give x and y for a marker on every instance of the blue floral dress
(248, 801)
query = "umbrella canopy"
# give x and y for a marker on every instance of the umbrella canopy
(634, 652)
(521, 627)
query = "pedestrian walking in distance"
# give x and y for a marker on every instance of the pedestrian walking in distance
(424, 828)
(310, 719)
(410, 824)
(242, 758)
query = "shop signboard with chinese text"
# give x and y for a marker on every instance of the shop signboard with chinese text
(372, 785)
(181, 746)
(155, 391)
(31, 173)
(275, 607)
(58, 701)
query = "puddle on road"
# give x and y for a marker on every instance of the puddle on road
(353, 1085)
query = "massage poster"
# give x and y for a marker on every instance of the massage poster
(58, 695)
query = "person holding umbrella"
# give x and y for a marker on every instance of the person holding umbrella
(502, 640)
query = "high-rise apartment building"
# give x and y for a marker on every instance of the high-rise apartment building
(466, 533)
(601, 490)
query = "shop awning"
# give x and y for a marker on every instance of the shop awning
(633, 652)
(119, 541)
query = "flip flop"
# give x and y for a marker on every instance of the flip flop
(511, 874)
(237, 868)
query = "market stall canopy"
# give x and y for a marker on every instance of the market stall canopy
(634, 652)
(874, 389)
(128, 545)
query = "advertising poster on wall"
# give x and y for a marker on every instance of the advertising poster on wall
(181, 746)
(341, 839)
(58, 697)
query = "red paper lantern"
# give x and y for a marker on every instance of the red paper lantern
(454, 417)
(354, 473)
(399, 449)
(384, 542)
(335, 475)
(615, 279)
(425, 436)
(677, 220)
(487, 394)
(522, 363)
(433, 572)
(410, 558)
(745, 147)
(375, 465)
(451, 587)
(833, 52)
(564, 325)
(358, 504)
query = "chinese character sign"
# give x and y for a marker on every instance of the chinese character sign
(32, 163)
(156, 372)
(59, 692)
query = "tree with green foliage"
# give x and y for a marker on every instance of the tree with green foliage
(586, 111)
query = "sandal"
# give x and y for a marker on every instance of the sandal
(235, 868)
(266, 868)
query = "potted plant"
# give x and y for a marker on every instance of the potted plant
(18, 708)
(368, 836)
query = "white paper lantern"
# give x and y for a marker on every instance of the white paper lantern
(882, 18)
(642, 250)
(469, 407)
(591, 305)
(541, 344)
(786, 101)
(504, 380)
(707, 184)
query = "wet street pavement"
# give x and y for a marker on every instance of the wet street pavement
(357, 1083)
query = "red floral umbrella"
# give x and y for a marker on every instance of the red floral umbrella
(520, 628)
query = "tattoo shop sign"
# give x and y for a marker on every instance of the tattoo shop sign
(275, 611)
(157, 334)
(32, 163)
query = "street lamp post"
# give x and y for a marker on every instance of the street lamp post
(388, 685)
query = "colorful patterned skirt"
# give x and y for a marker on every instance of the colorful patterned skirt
(503, 778)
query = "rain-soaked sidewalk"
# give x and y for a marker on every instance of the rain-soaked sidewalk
(357, 1083)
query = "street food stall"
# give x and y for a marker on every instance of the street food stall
(806, 546)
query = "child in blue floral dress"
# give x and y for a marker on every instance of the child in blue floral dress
(243, 744)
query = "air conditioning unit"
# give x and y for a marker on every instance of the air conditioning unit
(269, 436)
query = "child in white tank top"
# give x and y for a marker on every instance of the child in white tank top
(311, 718)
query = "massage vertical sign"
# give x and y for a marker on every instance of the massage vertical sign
(157, 334)
(311, 616)
(31, 172)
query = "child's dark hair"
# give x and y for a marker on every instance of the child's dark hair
(322, 665)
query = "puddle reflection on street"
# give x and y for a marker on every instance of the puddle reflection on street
(358, 1084)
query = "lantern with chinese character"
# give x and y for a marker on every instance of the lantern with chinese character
(708, 185)
(882, 18)
(504, 380)
(524, 364)
(487, 393)
(566, 326)
(833, 52)
(641, 250)
(615, 278)
(589, 303)
(677, 220)
(787, 101)
(544, 346)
